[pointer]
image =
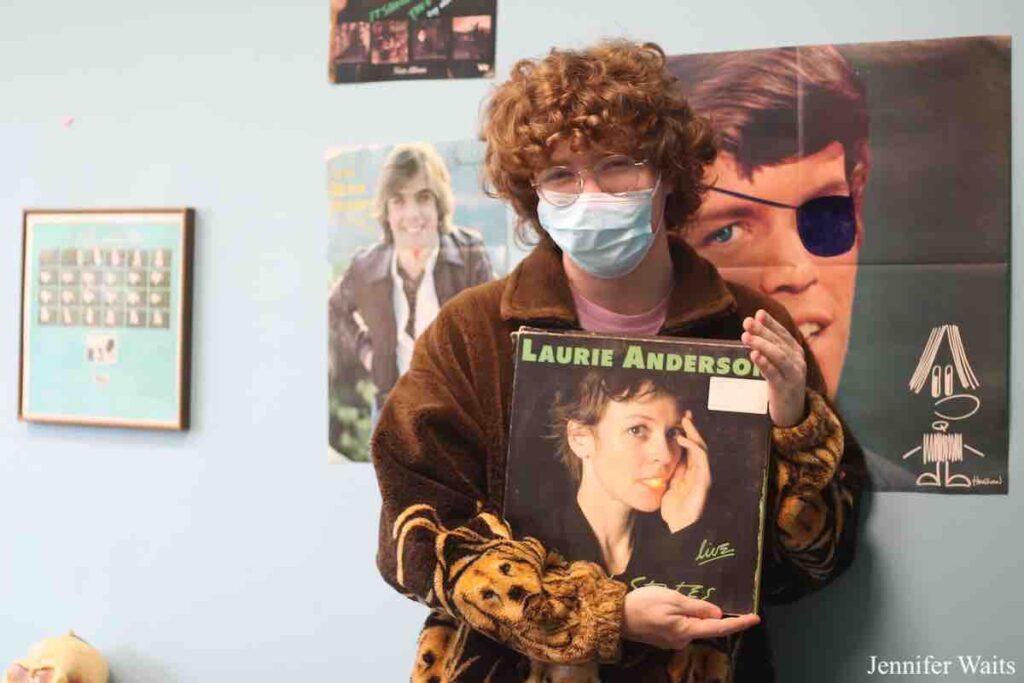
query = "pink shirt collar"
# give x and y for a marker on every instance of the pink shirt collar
(594, 318)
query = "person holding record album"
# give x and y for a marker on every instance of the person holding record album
(632, 450)
(602, 159)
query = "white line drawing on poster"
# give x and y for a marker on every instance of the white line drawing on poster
(971, 398)
(940, 447)
(964, 371)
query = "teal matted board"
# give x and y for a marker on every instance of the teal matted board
(106, 304)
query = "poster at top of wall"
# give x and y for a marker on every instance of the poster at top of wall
(410, 227)
(385, 40)
(867, 188)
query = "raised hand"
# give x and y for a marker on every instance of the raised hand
(781, 360)
(687, 492)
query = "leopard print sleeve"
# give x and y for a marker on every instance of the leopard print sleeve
(513, 590)
(441, 540)
(810, 502)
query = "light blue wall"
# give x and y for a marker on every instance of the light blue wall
(233, 552)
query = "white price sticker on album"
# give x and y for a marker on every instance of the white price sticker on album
(729, 394)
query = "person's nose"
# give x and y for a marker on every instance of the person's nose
(409, 216)
(661, 451)
(788, 268)
(590, 182)
(397, 214)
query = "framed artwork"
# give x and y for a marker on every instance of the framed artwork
(106, 323)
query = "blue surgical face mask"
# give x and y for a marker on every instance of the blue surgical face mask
(606, 235)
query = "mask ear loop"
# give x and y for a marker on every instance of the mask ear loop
(661, 222)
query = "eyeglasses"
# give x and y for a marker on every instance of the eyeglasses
(827, 225)
(616, 175)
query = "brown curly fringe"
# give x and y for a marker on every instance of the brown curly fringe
(614, 97)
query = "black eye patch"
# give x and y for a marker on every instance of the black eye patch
(827, 225)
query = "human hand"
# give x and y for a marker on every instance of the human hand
(781, 360)
(687, 492)
(667, 619)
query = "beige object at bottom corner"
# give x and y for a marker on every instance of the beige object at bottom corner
(62, 659)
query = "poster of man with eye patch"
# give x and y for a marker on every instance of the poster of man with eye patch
(867, 188)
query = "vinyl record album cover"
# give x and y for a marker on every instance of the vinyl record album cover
(648, 456)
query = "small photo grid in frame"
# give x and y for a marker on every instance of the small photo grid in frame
(106, 317)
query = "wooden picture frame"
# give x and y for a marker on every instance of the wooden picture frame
(106, 317)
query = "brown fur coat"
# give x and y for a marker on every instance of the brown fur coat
(506, 609)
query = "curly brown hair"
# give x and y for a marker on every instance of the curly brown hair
(614, 97)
